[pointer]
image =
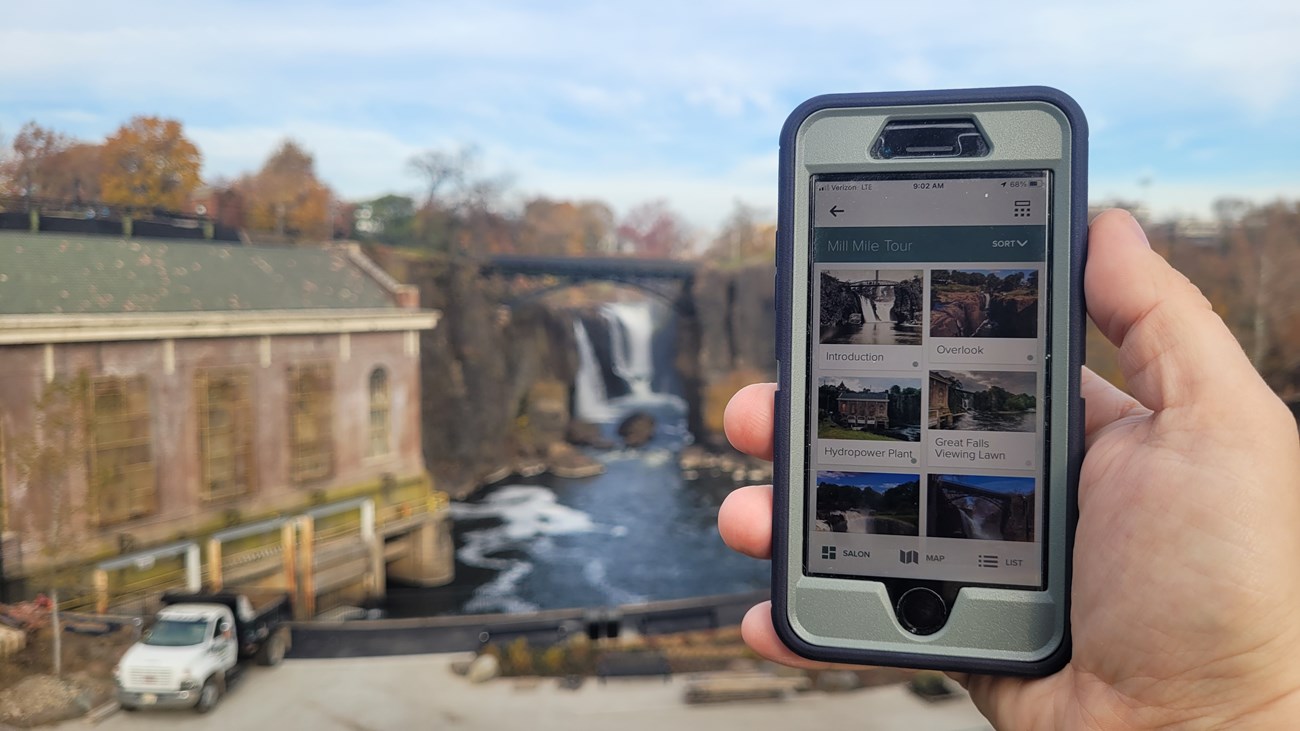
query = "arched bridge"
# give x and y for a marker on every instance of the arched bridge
(668, 279)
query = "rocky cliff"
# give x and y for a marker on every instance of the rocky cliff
(974, 313)
(726, 341)
(838, 303)
(498, 378)
(496, 381)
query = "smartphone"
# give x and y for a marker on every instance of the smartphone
(930, 338)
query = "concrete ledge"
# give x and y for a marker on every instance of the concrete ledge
(72, 328)
(461, 633)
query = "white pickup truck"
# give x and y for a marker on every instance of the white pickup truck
(196, 647)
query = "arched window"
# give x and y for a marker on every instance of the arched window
(379, 413)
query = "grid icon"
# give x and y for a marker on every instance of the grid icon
(828, 552)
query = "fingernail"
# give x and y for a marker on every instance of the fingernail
(1137, 228)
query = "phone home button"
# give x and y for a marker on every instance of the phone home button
(921, 611)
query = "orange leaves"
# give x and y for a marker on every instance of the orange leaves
(149, 163)
(285, 197)
(565, 228)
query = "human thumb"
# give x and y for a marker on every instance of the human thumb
(1173, 349)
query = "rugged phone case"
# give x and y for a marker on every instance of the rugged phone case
(1067, 392)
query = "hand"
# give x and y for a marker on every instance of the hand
(1186, 596)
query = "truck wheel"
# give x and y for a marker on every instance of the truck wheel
(272, 651)
(209, 694)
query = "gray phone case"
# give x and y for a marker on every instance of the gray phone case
(992, 630)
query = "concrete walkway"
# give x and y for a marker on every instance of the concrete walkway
(420, 692)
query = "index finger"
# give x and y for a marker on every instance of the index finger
(749, 419)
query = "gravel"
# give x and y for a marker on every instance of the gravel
(41, 699)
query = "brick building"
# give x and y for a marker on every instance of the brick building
(175, 413)
(864, 409)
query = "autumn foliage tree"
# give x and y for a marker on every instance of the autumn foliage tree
(287, 198)
(30, 168)
(565, 228)
(745, 237)
(149, 163)
(653, 230)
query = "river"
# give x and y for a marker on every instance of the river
(638, 532)
(995, 421)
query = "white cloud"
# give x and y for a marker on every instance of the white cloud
(358, 162)
(676, 99)
(1195, 197)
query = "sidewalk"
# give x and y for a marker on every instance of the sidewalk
(420, 692)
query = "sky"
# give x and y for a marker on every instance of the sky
(684, 101)
(1010, 485)
(1000, 273)
(871, 383)
(864, 275)
(1012, 381)
(875, 481)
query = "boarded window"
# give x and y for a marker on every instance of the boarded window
(225, 432)
(122, 477)
(311, 397)
(379, 413)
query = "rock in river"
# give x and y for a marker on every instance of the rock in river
(586, 434)
(637, 429)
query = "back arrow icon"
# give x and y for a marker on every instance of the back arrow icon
(836, 211)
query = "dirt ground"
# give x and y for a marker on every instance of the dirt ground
(30, 696)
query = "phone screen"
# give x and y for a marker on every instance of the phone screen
(927, 397)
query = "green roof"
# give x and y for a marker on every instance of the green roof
(50, 273)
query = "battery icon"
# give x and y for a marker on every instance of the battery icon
(1033, 183)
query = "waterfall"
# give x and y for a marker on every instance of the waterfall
(980, 517)
(868, 313)
(590, 400)
(631, 328)
(638, 349)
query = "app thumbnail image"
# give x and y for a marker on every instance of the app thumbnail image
(879, 409)
(871, 307)
(984, 303)
(983, 400)
(868, 502)
(978, 506)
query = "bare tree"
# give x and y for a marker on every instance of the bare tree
(461, 203)
(744, 236)
(441, 171)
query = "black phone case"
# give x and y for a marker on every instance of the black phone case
(1078, 210)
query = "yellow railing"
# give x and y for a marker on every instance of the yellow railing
(439, 501)
(343, 530)
(142, 588)
(433, 504)
(252, 555)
